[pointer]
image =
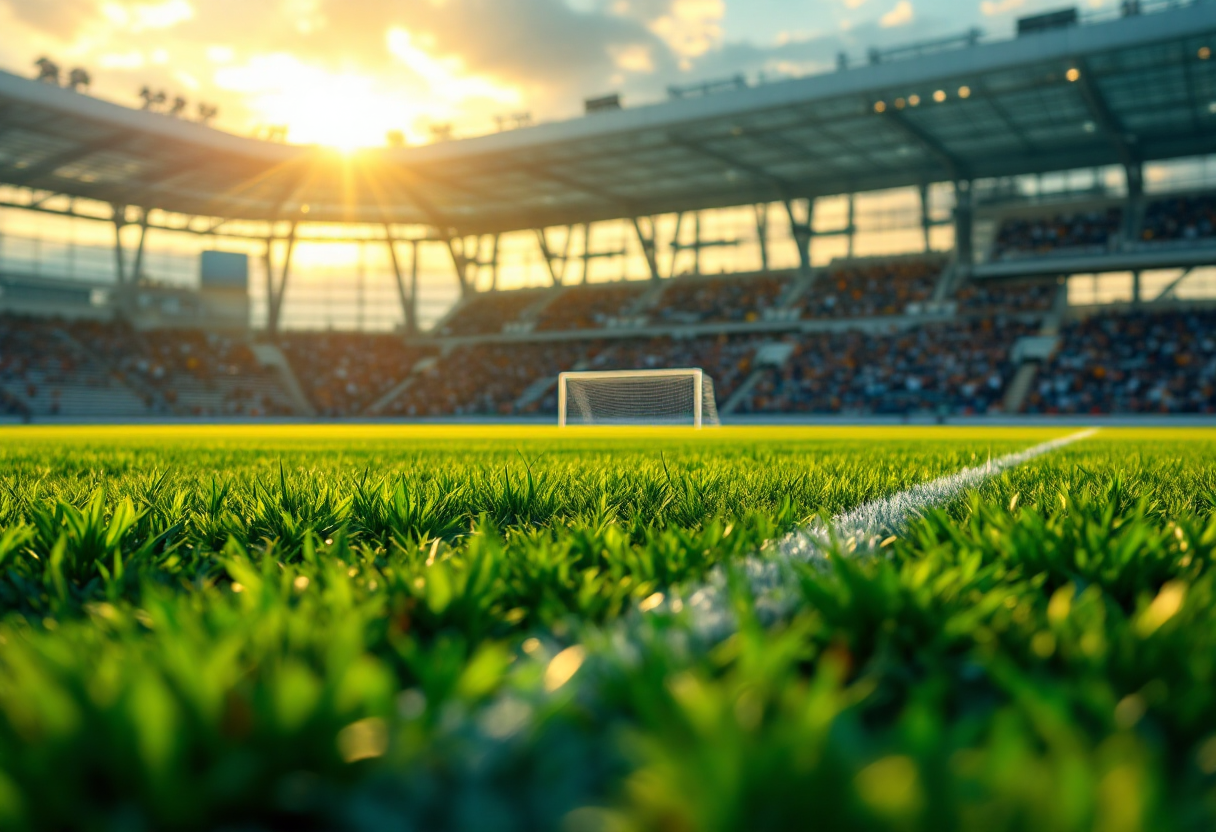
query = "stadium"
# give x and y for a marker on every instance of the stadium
(822, 448)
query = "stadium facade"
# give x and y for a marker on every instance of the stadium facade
(987, 318)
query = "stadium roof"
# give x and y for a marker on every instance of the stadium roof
(1130, 89)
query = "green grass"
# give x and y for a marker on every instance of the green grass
(380, 628)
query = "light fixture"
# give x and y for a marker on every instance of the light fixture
(304, 209)
(900, 103)
(1205, 52)
(880, 106)
(964, 92)
(939, 96)
(1073, 74)
(1089, 127)
(1212, 107)
(914, 100)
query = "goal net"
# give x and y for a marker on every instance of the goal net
(636, 397)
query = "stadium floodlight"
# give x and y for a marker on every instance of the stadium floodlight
(636, 397)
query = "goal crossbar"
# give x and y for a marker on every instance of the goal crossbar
(695, 375)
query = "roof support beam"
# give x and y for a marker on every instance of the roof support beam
(646, 237)
(802, 233)
(761, 211)
(274, 295)
(550, 258)
(409, 300)
(1103, 117)
(1168, 292)
(466, 266)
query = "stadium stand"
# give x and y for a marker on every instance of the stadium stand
(696, 299)
(344, 373)
(1135, 362)
(1180, 218)
(1081, 232)
(592, 306)
(91, 369)
(187, 372)
(486, 379)
(860, 289)
(44, 371)
(489, 313)
(944, 369)
(1006, 297)
(889, 360)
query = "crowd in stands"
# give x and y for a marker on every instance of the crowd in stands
(942, 369)
(186, 371)
(521, 378)
(694, 299)
(487, 379)
(345, 373)
(995, 298)
(885, 287)
(489, 312)
(1092, 231)
(31, 356)
(1180, 218)
(1141, 362)
(112, 369)
(590, 307)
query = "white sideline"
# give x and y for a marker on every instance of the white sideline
(858, 530)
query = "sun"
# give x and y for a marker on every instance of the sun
(346, 111)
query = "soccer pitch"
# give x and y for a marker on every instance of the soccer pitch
(379, 627)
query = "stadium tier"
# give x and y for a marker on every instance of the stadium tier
(1089, 232)
(346, 373)
(1139, 362)
(861, 338)
(1184, 218)
(884, 288)
(960, 368)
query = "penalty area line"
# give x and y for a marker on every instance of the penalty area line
(857, 530)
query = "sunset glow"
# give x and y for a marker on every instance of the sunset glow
(346, 74)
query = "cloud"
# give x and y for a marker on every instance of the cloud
(55, 16)
(139, 17)
(690, 28)
(991, 8)
(463, 61)
(446, 78)
(901, 15)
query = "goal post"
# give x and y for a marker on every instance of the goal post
(636, 397)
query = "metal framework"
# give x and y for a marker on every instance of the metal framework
(1125, 91)
(1118, 92)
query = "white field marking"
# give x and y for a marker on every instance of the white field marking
(859, 530)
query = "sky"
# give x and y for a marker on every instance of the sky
(346, 72)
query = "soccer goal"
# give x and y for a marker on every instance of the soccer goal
(636, 397)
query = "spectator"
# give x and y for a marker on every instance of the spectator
(994, 298)
(1180, 218)
(695, 299)
(866, 290)
(945, 369)
(1089, 231)
(488, 313)
(344, 373)
(591, 306)
(1141, 362)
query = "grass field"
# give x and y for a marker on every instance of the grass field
(376, 628)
